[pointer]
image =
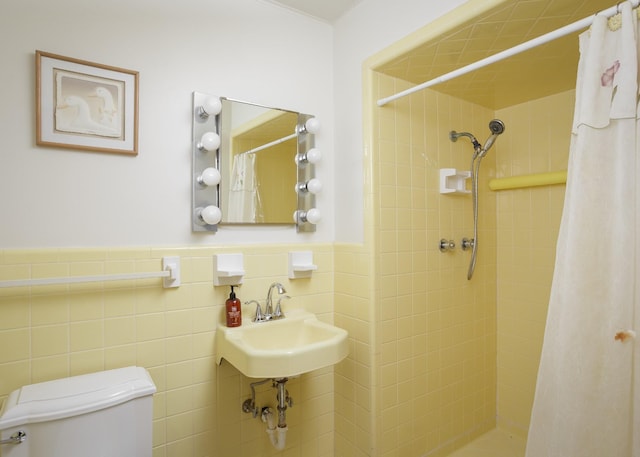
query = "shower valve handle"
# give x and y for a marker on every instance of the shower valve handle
(467, 243)
(447, 245)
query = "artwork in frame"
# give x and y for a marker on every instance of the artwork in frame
(85, 105)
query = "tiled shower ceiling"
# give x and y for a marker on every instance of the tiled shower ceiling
(545, 70)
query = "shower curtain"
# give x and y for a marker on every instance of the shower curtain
(587, 401)
(244, 201)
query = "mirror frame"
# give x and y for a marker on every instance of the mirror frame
(203, 196)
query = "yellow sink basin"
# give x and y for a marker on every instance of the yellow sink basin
(281, 348)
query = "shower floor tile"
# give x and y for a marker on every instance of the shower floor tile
(496, 443)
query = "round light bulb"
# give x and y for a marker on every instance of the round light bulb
(211, 215)
(210, 141)
(209, 177)
(314, 186)
(312, 125)
(313, 216)
(212, 106)
(314, 155)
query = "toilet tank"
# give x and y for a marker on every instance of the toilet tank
(103, 414)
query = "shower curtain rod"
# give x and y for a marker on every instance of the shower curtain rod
(542, 39)
(268, 145)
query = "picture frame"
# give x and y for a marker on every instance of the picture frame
(85, 105)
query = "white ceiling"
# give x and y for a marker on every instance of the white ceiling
(326, 10)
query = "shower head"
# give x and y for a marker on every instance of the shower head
(497, 128)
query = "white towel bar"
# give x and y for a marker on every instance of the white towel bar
(170, 273)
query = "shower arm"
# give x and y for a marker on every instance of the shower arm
(453, 136)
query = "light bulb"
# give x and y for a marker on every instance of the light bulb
(313, 186)
(210, 107)
(209, 177)
(209, 215)
(312, 125)
(312, 216)
(210, 141)
(313, 155)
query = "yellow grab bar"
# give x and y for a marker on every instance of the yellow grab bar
(532, 180)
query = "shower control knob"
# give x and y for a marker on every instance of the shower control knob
(467, 243)
(447, 245)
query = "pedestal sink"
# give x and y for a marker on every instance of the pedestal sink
(281, 348)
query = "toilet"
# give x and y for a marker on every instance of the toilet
(103, 414)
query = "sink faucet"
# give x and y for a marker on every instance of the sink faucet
(268, 311)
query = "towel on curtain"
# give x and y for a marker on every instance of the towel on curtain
(587, 395)
(244, 200)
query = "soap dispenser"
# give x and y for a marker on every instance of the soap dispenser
(234, 310)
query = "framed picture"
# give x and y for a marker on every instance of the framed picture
(85, 105)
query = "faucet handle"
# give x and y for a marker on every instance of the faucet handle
(259, 317)
(278, 312)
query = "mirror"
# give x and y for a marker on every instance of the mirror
(252, 165)
(258, 146)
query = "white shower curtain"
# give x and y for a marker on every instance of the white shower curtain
(587, 401)
(244, 202)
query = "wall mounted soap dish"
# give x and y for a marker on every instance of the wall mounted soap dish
(454, 181)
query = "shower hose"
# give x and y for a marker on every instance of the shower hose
(475, 172)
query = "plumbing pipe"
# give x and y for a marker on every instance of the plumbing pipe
(249, 405)
(283, 397)
(277, 435)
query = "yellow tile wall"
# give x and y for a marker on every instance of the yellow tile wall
(434, 341)
(50, 332)
(536, 140)
(353, 378)
(508, 295)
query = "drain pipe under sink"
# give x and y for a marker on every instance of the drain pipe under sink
(277, 435)
(277, 431)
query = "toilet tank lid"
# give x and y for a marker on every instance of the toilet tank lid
(76, 395)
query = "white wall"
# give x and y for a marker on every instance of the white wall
(365, 30)
(244, 49)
